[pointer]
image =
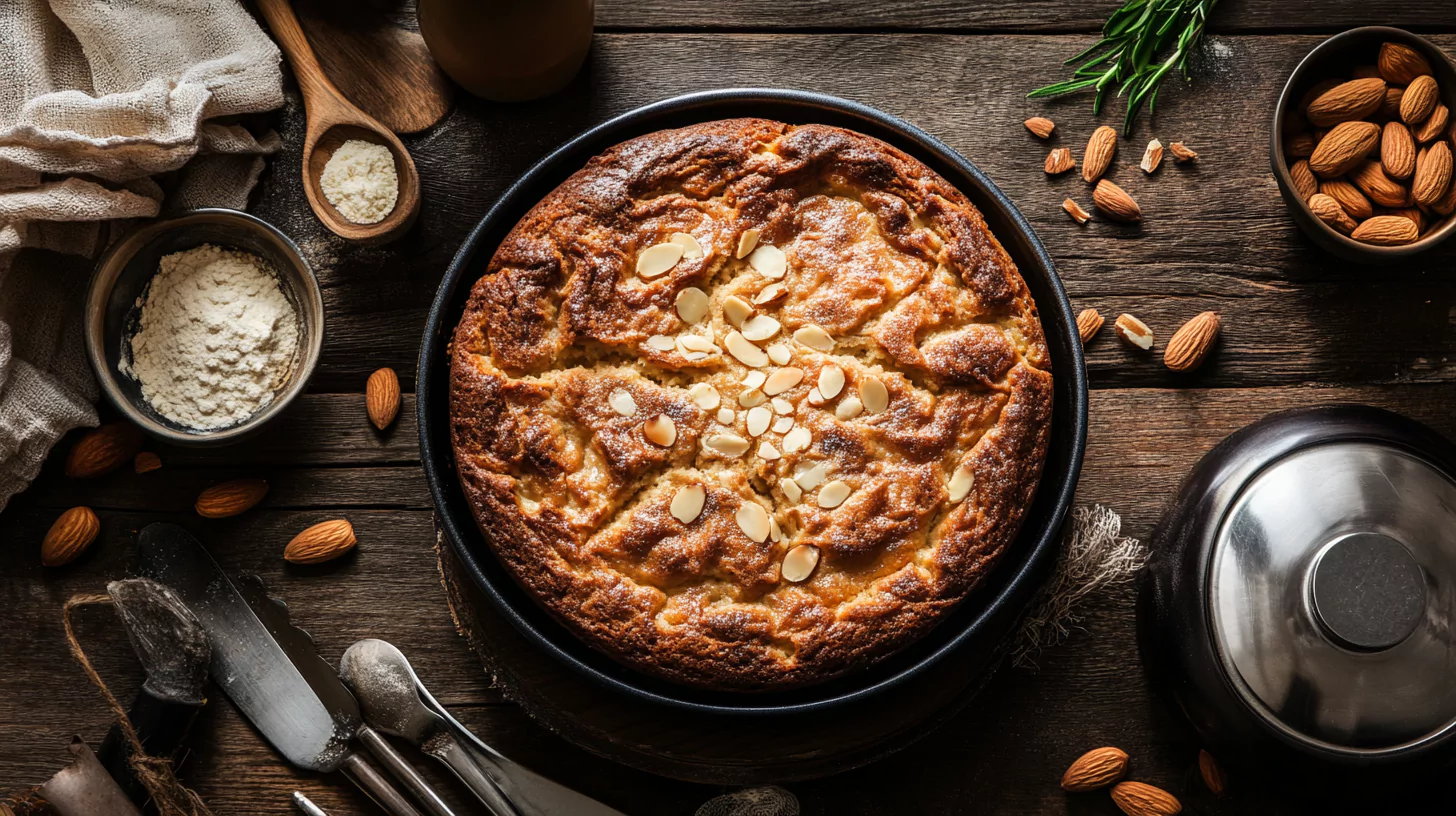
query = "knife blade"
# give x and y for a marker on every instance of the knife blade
(272, 671)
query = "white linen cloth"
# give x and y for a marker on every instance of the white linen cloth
(96, 98)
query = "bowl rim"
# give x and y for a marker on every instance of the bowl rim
(103, 279)
(1280, 165)
(1016, 586)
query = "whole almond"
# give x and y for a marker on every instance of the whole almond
(1386, 230)
(1075, 210)
(1346, 145)
(1133, 332)
(1299, 146)
(1397, 151)
(1352, 201)
(1400, 64)
(146, 462)
(1421, 97)
(1346, 102)
(1089, 322)
(1390, 108)
(1213, 776)
(1435, 125)
(1413, 214)
(102, 450)
(1139, 799)
(1329, 211)
(1378, 187)
(1189, 346)
(72, 533)
(1059, 161)
(1182, 153)
(322, 542)
(1115, 201)
(1100, 149)
(1305, 184)
(1315, 91)
(1433, 174)
(1095, 770)
(381, 397)
(1040, 126)
(230, 498)
(1447, 203)
(1152, 157)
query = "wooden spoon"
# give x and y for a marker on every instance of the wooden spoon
(333, 120)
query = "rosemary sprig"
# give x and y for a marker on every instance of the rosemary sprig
(1124, 59)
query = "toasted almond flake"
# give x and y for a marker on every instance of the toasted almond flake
(754, 379)
(799, 563)
(815, 338)
(751, 398)
(769, 294)
(833, 494)
(744, 351)
(874, 395)
(783, 424)
(687, 503)
(1075, 210)
(774, 533)
(791, 489)
(694, 356)
(769, 261)
(692, 250)
(815, 398)
(746, 242)
(705, 395)
(622, 403)
(779, 353)
(782, 406)
(849, 408)
(660, 430)
(692, 304)
(736, 310)
(760, 328)
(831, 381)
(811, 476)
(661, 342)
(782, 380)
(759, 418)
(797, 439)
(753, 521)
(1152, 157)
(727, 444)
(961, 481)
(697, 343)
(767, 452)
(658, 259)
(725, 416)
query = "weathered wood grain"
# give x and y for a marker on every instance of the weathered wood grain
(1216, 235)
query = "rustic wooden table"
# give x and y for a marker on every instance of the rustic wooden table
(1299, 329)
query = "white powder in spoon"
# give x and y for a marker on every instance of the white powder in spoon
(216, 338)
(359, 179)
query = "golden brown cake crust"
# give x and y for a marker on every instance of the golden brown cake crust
(878, 252)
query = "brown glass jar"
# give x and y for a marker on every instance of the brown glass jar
(508, 50)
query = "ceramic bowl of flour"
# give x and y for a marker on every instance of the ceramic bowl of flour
(204, 326)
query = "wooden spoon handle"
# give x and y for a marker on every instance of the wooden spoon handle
(311, 77)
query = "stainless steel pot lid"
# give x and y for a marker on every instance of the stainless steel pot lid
(1331, 592)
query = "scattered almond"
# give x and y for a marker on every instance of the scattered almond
(1435, 125)
(1433, 174)
(1351, 200)
(1115, 201)
(230, 498)
(1075, 210)
(1089, 322)
(1059, 161)
(381, 397)
(799, 563)
(1095, 770)
(656, 260)
(1152, 157)
(1139, 799)
(102, 450)
(1329, 211)
(1346, 145)
(1397, 151)
(1213, 777)
(660, 430)
(322, 542)
(1420, 99)
(69, 536)
(1134, 332)
(747, 242)
(1400, 64)
(1100, 149)
(1347, 101)
(1189, 346)
(146, 462)
(1386, 230)
(1040, 126)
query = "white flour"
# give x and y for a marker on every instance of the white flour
(216, 340)
(361, 182)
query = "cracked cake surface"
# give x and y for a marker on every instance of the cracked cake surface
(748, 405)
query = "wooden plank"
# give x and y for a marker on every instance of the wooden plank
(1216, 234)
(998, 15)
(1004, 753)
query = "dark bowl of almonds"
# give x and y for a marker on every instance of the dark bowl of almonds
(1362, 145)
